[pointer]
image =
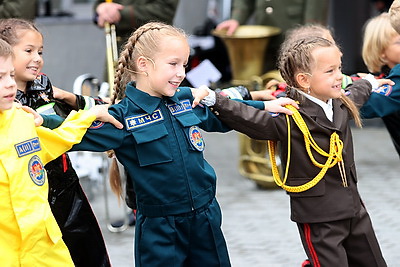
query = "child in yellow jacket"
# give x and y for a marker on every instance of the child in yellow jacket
(29, 234)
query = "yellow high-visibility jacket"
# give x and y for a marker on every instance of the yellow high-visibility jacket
(29, 234)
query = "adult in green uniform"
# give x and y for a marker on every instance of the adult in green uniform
(128, 15)
(25, 9)
(278, 13)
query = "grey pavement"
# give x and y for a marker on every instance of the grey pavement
(256, 222)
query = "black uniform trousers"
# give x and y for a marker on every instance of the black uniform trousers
(345, 243)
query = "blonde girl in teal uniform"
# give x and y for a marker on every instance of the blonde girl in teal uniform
(161, 147)
(178, 218)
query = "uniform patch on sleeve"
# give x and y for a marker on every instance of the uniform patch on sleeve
(385, 90)
(36, 171)
(96, 125)
(142, 120)
(196, 138)
(183, 106)
(28, 147)
(274, 114)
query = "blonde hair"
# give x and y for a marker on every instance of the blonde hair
(378, 34)
(307, 30)
(296, 57)
(145, 41)
(394, 13)
(5, 49)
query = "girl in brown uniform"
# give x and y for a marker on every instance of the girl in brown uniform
(317, 152)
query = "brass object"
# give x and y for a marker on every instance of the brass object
(111, 53)
(246, 50)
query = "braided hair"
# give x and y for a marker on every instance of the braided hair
(9, 29)
(143, 42)
(296, 56)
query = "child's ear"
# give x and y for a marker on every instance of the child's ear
(303, 80)
(141, 63)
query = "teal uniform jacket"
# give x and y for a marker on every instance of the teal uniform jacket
(385, 103)
(386, 99)
(162, 149)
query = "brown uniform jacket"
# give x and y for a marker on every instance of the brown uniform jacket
(328, 200)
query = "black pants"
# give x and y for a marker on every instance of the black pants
(350, 242)
(74, 215)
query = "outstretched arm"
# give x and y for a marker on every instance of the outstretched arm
(206, 96)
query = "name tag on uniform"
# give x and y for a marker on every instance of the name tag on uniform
(28, 147)
(183, 106)
(142, 120)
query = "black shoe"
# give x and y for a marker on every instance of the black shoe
(131, 221)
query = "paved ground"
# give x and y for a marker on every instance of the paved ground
(256, 222)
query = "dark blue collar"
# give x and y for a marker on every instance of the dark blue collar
(145, 101)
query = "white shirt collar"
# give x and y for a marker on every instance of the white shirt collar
(327, 107)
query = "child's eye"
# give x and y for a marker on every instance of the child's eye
(173, 63)
(186, 65)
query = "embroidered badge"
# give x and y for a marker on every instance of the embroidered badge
(385, 90)
(142, 120)
(96, 125)
(36, 171)
(28, 147)
(44, 96)
(196, 138)
(274, 114)
(184, 106)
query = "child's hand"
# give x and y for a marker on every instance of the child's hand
(262, 95)
(279, 104)
(384, 81)
(198, 95)
(36, 116)
(101, 112)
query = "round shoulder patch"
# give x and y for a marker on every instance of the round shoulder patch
(385, 90)
(96, 125)
(36, 171)
(196, 138)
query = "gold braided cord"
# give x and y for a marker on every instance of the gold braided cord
(334, 156)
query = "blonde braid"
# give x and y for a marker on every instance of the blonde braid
(142, 42)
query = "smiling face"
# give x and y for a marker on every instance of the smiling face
(8, 87)
(325, 80)
(166, 70)
(28, 59)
